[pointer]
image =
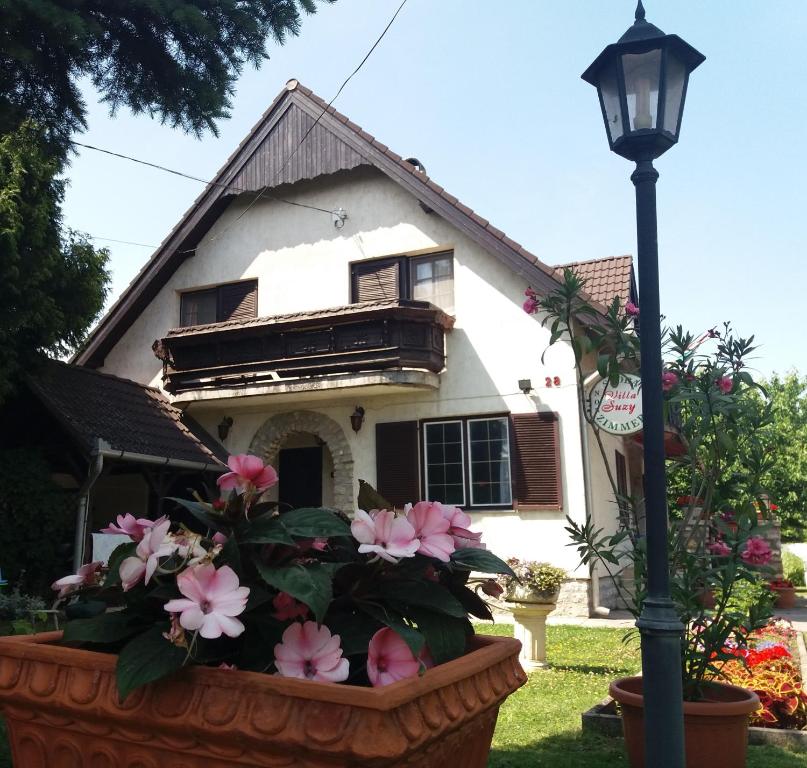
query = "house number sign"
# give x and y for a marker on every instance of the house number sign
(618, 409)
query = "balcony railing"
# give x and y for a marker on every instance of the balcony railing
(371, 336)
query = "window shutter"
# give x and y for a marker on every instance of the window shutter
(238, 301)
(396, 461)
(377, 280)
(536, 461)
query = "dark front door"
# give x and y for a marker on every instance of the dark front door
(300, 475)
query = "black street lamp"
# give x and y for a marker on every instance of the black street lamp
(642, 83)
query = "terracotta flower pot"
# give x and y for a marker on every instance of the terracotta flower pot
(785, 597)
(715, 730)
(61, 709)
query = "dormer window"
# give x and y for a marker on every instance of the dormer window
(423, 278)
(232, 301)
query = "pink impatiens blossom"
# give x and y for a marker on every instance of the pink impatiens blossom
(212, 598)
(631, 310)
(309, 651)
(757, 551)
(219, 538)
(668, 380)
(460, 523)
(286, 607)
(384, 534)
(720, 548)
(431, 527)
(530, 304)
(87, 575)
(248, 474)
(134, 528)
(156, 543)
(725, 384)
(389, 659)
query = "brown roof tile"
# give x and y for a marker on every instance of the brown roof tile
(605, 278)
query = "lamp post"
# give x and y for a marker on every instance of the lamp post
(642, 82)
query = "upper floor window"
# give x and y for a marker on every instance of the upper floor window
(232, 301)
(423, 278)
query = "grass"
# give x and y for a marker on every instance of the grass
(539, 725)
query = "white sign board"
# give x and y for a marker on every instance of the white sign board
(617, 409)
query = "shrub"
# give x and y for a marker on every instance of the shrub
(793, 567)
(540, 578)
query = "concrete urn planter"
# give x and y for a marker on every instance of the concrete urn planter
(530, 609)
(61, 709)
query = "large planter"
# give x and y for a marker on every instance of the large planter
(715, 730)
(62, 711)
(785, 597)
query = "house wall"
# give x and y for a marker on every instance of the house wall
(302, 263)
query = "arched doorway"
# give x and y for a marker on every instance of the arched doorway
(310, 445)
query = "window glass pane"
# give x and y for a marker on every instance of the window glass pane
(489, 447)
(433, 280)
(642, 72)
(444, 462)
(610, 103)
(676, 78)
(199, 307)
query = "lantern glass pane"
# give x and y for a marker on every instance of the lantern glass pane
(609, 93)
(642, 73)
(676, 79)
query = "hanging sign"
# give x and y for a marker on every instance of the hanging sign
(617, 409)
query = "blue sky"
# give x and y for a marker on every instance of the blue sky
(496, 110)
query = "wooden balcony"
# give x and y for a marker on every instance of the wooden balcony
(370, 336)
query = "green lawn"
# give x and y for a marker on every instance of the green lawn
(540, 724)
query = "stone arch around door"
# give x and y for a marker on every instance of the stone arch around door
(270, 436)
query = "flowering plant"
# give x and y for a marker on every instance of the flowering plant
(531, 579)
(306, 593)
(717, 462)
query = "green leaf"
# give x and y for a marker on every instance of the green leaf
(355, 631)
(230, 554)
(312, 523)
(472, 603)
(403, 595)
(106, 628)
(446, 636)
(119, 554)
(480, 560)
(200, 512)
(147, 658)
(311, 583)
(395, 622)
(265, 530)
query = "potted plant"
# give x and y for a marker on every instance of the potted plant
(785, 593)
(262, 636)
(707, 384)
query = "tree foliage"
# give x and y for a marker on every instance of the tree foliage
(52, 282)
(176, 60)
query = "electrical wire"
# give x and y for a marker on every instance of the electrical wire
(124, 242)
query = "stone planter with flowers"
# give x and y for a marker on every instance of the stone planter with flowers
(531, 594)
(362, 626)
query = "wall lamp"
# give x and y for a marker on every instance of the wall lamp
(525, 385)
(357, 418)
(224, 427)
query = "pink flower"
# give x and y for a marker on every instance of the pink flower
(87, 575)
(212, 598)
(725, 384)
(134, 528)
(668, 380)
(176, 635)
(492, 588)
(248, 474)
(310, 652)
(225, 665)
(720, 548)
(631, 310)
(389, 659)
(756, 552)
(286, 607)
(460, 523)
(219, 538)
(431, 528)
(530, 306)
(388, 536)
(156, 543)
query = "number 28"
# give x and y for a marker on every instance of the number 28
(553, 381)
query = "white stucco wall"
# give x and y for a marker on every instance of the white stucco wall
(302, 262)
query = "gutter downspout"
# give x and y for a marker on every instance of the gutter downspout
(94, 472)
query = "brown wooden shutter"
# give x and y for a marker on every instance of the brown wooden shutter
(396, 461)
(376, 280)
(536, 461)
(238, 301)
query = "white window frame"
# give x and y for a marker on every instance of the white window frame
(426, 426)
(470, 478)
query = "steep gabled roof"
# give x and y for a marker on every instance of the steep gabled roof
(262, 161)
(606, 278)
(124, 415)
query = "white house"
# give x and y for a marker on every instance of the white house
(325, 305)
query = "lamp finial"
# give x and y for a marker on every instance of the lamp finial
(639, 11)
